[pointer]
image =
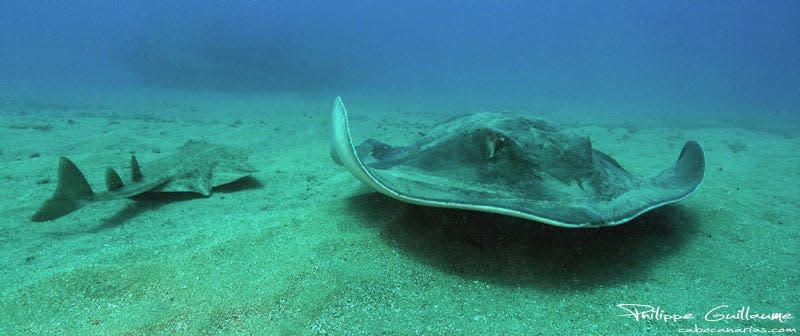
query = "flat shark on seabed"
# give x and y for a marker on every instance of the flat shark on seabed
(197, 167)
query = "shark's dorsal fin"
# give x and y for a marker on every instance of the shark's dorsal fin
(72, 192)
(136, 171)
(113, 181)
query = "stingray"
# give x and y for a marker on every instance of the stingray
(515, 166)
(196, 168)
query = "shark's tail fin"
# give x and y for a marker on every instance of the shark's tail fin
(72, 192)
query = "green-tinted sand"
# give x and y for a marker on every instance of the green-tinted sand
(306, 249)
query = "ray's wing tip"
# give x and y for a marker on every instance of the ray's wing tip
(692, 161)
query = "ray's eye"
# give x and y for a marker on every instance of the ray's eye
(494, 143)
(380, 151)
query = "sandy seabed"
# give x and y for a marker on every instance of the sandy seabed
(302, 247)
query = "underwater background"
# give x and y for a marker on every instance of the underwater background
(714, 60)
(307, 249)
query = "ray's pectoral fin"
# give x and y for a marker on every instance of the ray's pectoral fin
(687, 173)
(72, 192)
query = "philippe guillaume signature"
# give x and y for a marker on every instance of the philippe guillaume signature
(719, 313)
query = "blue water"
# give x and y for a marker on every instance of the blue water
(718, 60)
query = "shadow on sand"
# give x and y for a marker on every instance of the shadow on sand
(515, 252)
(153, 201)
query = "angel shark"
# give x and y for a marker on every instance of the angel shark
(197, 167)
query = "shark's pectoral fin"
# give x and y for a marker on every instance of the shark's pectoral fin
(72, 192)
(204, 185)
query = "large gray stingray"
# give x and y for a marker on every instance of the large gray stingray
(505, 164)
(197, 167)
